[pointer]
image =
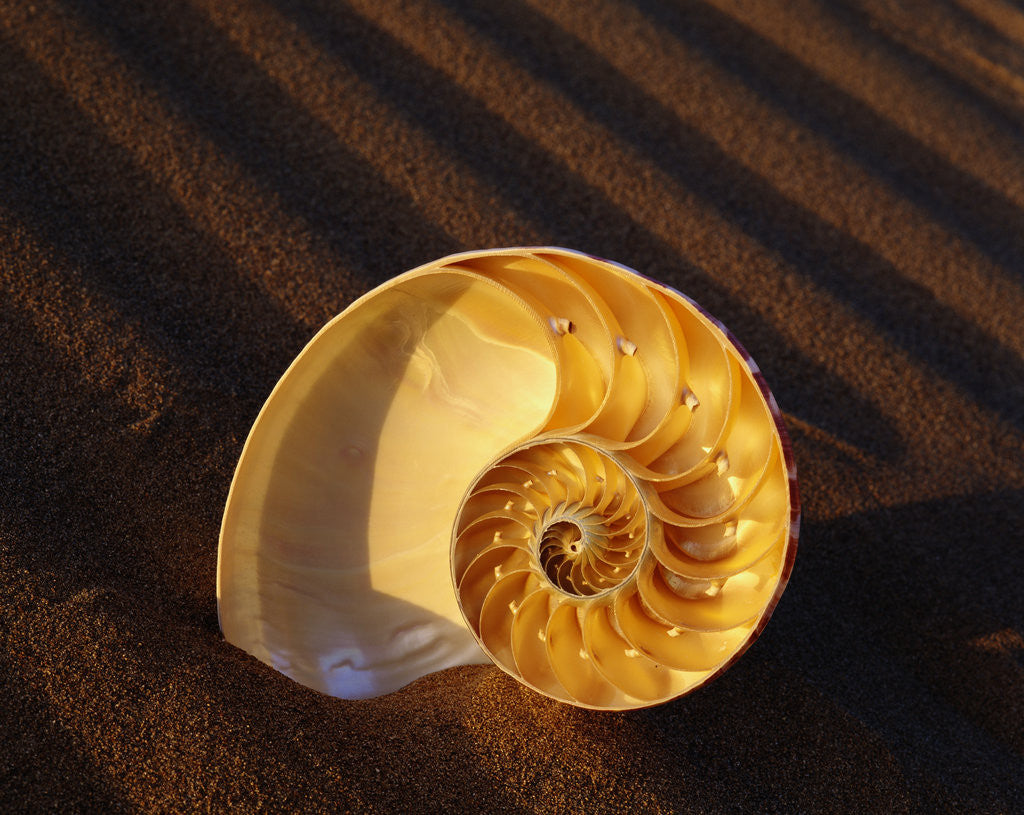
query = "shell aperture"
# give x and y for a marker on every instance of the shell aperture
(529, 456)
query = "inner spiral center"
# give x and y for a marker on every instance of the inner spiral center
(561, 509)
(561, 542)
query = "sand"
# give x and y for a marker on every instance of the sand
(187, 194)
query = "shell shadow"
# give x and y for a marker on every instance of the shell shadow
(882, 621)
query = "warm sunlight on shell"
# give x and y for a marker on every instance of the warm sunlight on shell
(593, 462)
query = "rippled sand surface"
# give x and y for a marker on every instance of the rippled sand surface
(187, 194)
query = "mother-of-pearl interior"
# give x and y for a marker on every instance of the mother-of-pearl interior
(527, 455)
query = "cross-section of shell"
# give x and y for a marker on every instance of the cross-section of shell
(531, 456)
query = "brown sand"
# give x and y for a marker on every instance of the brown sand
(187, 195)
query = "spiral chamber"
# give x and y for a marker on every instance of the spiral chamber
(636, 545)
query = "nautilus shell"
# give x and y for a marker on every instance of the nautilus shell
(526, 456)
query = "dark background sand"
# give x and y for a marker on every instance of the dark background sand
(187, 195)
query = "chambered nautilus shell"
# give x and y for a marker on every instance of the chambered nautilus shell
(528, 456)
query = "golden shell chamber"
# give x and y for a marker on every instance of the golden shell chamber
(527, 456)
